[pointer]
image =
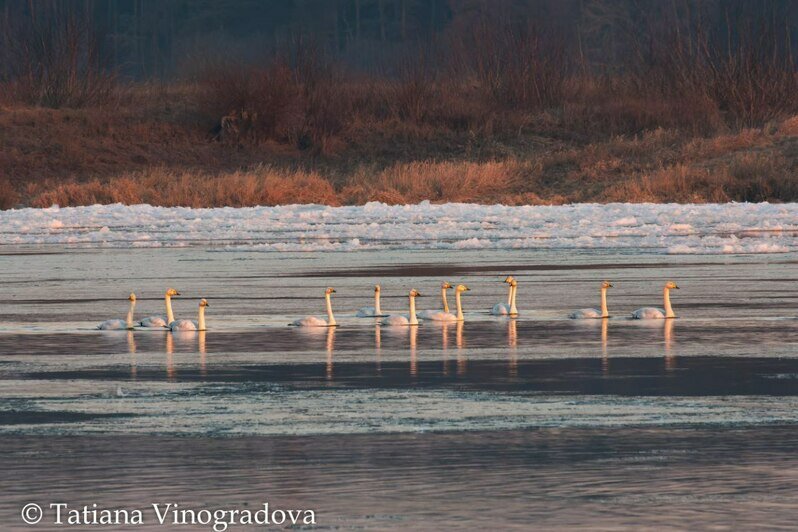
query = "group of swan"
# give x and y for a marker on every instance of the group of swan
(397, 320)
(644, 313)
(412, 318)
(509, 308)
(500, 309)
(158, 321)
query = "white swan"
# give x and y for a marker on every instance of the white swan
(428, 314)
(191, 325)
(313, 321)
(448, 316)
(127, 323)
(592, 313)
(397, 320)
(372, 312)
(509, 308)
(651, 313)
(162, 321)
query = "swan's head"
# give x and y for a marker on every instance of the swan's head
(204, 303)
(461, 288)
(606, 284)
(670, 285)
(446, 284)
(131, 297)
(513, 283)
(509, 279)
(415, 293)
(172, 292)
(329, 291)
(376, 288)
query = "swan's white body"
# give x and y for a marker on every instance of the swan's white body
(117, 324)
(509, 308)
(438, 315)
(370, 312)
(191, 325)
(592, 313)
(162, 321)
(448, 316)
(652, 313)
(398, 320)
(313, 321)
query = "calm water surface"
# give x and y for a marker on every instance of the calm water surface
(495, 423)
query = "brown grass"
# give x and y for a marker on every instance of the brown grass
(261, 186)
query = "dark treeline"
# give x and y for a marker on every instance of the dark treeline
(398, 100)
(144, 39)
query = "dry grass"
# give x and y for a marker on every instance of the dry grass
(261, 186)
(152, 148)
(265, 185)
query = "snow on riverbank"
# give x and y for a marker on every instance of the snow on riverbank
(672, 228)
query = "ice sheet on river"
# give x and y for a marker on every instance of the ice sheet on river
(670, 228)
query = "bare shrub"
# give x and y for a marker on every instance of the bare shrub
(514, 63)
(53, 60)
(8, 194)
(748, 73)
(757, 177)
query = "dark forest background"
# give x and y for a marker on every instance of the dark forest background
(344, 101)
(163, 39)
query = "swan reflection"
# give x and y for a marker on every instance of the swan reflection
(378, 348)
(512, 352)
(170, 363)
(413, 356)
(460, 343)
(131, 348)
(605, 360)
(202, 353)
(670, 358)
(445, 347)
(330, 344)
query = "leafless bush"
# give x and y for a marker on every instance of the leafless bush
(297, 97)
(412, 94)
(750, 78)
(516, 65)
(8, 195)
(53, 60)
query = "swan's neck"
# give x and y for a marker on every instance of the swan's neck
(201, 319)
(513, 290)
(459, 307)
(377, 309)
(443, 298)
(330, 317)
(413, 318)
(604, 312)
(170, 316)
(666, 294)
(129, 319)
(510, 296)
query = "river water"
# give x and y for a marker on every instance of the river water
(538, 421)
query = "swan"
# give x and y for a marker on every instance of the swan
(399, 320)
(313, 321)
(448, 316)
(592, 313)
(191, 325)
(372, 312)
(162, 321)
(127, 323)
(509, 308)
(651, 313)
(428, 314)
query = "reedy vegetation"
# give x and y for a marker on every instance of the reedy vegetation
(509, 113)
